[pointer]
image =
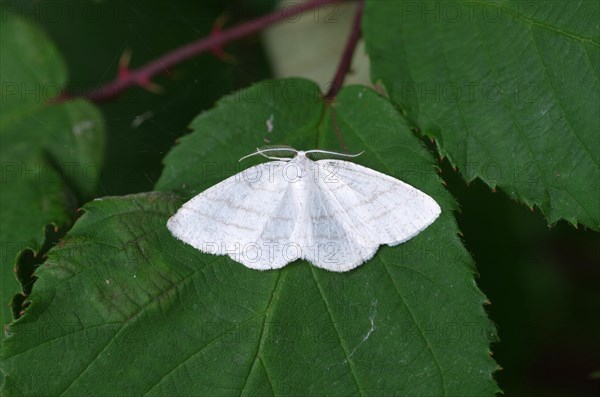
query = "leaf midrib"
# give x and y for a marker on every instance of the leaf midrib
(258, 354)
(337, 332)
(428, 345)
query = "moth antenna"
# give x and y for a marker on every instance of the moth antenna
(262, 151)
(334, 153)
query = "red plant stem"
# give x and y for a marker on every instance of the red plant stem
(346, 61)
(143, 75)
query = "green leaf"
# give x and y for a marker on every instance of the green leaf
(509, 90)
(50, 153)
(131, 310)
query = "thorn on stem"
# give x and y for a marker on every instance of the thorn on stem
(216, 30)
(124, 64)
(150, 86)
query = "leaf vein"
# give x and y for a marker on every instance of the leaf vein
(337, 332)
(428, 345)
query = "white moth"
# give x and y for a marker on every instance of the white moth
(333, 213)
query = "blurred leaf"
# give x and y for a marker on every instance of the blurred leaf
(122, 307)
(50, 153)
(142, 126)
(508, 89)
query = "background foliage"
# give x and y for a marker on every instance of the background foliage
(117, 286)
